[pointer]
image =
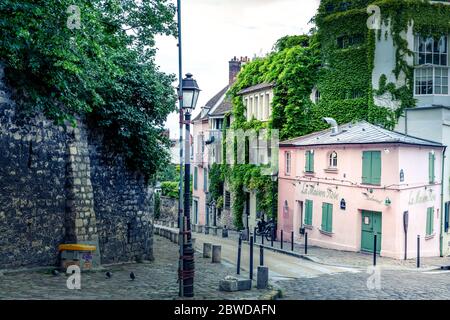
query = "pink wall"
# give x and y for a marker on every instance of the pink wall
(345, 183)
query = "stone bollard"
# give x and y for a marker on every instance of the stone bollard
(207, 247)
(194, 228)
(206, 229)
(214, 231)
(200, 229)
(262, 280)
(193, 243)
(172, 224)
(216, 254)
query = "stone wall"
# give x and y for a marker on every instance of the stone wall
(58, 185)
(169, 209)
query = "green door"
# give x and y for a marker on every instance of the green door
(371, 224)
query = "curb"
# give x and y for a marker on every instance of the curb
(275, 294)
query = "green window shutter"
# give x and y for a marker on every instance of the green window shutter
(195, 177)
(205, 180)
(327, 217)
(330, 218)
(376, 167)
(367, 167)
(307, 161)
(431, 169)
(430, 221)
(308, 212)
(324, 216)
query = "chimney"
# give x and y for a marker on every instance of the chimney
(235, 66)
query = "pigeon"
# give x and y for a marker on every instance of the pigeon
(132, 276)
(55, 272)
(108, 275)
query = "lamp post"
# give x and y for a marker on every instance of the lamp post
(188, 92)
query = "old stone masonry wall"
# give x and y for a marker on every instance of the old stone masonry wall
(59, 185)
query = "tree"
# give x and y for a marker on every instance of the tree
(104, 70)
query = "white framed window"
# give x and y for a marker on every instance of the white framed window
(333, 160)
(431, 80)
(257, 107)
(429, 50)
(287, 158)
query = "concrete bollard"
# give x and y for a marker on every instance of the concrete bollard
(216, 254)
(214, 231)
(206, 229)
(193, 243)
(200, 229)
(262, 280)
(175, 237)
(207, 248)
(194, 228)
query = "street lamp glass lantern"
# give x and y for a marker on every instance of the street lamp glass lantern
(190, 93)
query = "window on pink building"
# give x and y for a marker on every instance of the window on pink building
(287, 157)
(333, 160)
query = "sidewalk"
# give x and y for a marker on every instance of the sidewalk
(345, 258)
(354, 259)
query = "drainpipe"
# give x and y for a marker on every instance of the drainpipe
(333, 124)
(441, 238)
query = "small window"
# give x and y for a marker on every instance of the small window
(287, 156)
(333, 160)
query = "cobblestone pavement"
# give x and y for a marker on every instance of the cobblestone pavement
(395, 285)
(154, 280)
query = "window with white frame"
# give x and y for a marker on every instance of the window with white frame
(287, 157)
(432, 71)
(333, 160)
(431, 80)
(431, 51)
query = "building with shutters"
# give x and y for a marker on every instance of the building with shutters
(346, 184)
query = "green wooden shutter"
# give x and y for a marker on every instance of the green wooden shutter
(327, 217)
(330, 218)
(324, 216)
(311, 162)
(430, 221)
(307, 161)
(308, 212)
(205, 180)
(366, 167)
(195, 177)
(376, 168)
(431, 169)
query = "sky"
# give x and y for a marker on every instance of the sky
(214, 31)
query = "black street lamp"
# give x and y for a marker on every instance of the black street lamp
(274, 178)
(188, 101)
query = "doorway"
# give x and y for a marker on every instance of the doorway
(371, 225)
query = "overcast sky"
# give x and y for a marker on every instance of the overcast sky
(214, 31)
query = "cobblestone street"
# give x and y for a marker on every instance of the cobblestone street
(154, 280)
(395, 285)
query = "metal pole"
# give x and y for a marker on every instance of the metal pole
(180, 187)
(261, 255)
(251, 257)
(188, 256)
(254, 234)
(262, 238)
(281, 240)
(418, 251)
(374, 249)
(306, 243)
(292, 241)
(239, 256)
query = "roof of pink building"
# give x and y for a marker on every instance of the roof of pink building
(357, 133)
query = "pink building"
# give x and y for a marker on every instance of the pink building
(346, 184)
